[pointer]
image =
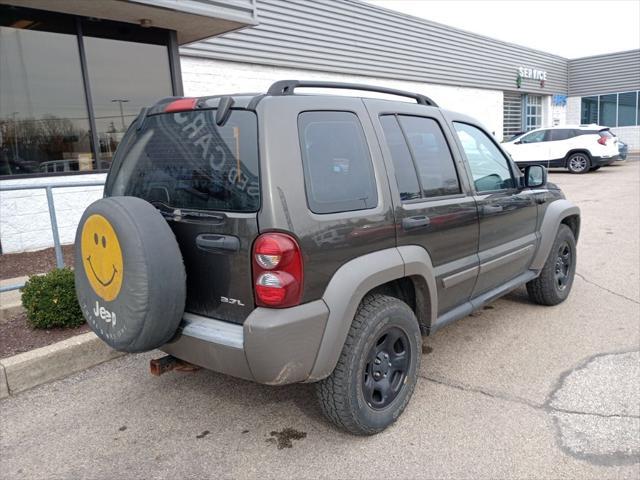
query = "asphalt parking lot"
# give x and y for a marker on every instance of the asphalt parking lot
(513, 391)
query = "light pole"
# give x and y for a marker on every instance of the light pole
(15, 137)
(120, 102)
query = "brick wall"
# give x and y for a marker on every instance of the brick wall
(24, 217)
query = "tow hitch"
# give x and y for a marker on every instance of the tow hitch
(165, 364)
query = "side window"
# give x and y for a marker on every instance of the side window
(561, 134)
(535, 137)
(436, 171)
(421, 157)
(406, 176)
(489, 167)
(338, 172)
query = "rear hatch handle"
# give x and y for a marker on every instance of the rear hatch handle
(213, 242)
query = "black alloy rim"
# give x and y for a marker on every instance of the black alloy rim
(386, 367)
(563, 266)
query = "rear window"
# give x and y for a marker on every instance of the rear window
(184, 160)
(338, 172)
(606, 134)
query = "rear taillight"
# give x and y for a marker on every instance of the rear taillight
(277, 270)
(181, 105)
(602, 140)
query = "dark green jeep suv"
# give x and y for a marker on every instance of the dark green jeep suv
(286, 238)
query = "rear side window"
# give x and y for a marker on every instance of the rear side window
(405, 170)
(421, 157)
(185, 161)
(436, 171)
(338, 172)
(587, 132)
(562, 134)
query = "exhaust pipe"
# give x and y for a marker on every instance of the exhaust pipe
(158, 366)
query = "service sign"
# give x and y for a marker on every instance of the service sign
(533, 73)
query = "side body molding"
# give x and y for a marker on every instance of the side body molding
(554, 214)
(344, 293)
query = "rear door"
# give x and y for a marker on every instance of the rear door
(204, 179)
(561, 141)
(432, 206)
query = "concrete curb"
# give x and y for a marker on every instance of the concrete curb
(30, 369)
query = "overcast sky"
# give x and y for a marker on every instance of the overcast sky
(570, 28)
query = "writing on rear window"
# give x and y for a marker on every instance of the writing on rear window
(184, 160)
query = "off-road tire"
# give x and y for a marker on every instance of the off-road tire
(572, 163)
(545, 289)
(341, 394)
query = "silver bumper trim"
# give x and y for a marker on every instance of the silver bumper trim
(212, 330)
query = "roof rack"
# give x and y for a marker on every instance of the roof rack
(287, 87)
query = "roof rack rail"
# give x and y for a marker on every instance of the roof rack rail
(287, 87)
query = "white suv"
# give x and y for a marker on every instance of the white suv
(579, 148)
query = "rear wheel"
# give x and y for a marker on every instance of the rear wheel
(554, 283)
(579, 163)
(377, 370)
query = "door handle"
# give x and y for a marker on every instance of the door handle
(491, 209)
(212, 242)
(419, 221)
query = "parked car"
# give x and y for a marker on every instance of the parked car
(579, 148)
(287, 238)
(623, 150)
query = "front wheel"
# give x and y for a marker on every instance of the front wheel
(556, 278)
(579, 163)
(377, 370)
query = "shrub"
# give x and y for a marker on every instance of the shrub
(50, 300)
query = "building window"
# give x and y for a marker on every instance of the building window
(589, 111)
(627, 109)
(607, 110)
(116, 99)
(611, 110)
(44, 125)
(68, 90)
(533, 112)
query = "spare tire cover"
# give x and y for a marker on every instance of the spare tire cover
(129, 274)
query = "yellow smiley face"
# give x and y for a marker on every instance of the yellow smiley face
(101, 257)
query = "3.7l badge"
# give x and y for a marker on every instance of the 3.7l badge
(232, 301)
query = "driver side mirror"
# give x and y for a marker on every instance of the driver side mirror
(535, 176)
(519, 142)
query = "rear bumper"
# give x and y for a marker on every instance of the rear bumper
(604, 161)
(273, 347)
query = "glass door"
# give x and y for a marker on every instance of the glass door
(533, 112)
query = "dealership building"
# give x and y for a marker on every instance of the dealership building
(74, 74)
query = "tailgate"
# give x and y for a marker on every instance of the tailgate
(204, 179)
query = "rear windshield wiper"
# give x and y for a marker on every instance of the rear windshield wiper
(179, 213)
